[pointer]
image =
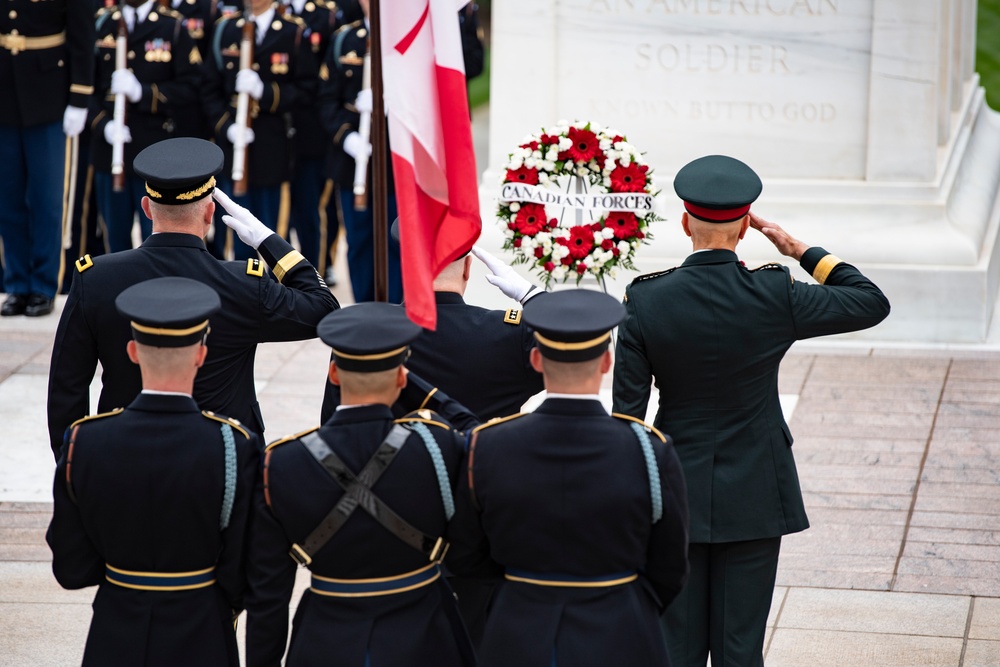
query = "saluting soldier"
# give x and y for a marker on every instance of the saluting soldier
(46, 80)
(151, 502)
(163, 74)
(283, 78)
(362, 502)
(712, 334)
(257, 306)
(581, 513)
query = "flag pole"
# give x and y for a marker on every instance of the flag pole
(380, 184)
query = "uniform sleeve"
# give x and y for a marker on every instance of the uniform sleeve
(292, 306)
(80, 37)
(270, 577)
(667, 560)
(419, 394)
(469, 553)
(76, 562)
(230, 571)
(845, 300)
(301, 90)
(183, 88)
(72, 367)
(632, 374)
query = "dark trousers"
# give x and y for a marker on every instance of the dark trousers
(361, 249)
(118, 209)
(306, 189)
(85, 237)
(329, 206)
(32, 174)
(723, 609)
(264, 203)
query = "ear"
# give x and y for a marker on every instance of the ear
(536, 359)
(606, 361)
(145, 207)
(467, 268)
(334, 377)
(210, 212)
(202, 353)
(744, 226)
(401, 374)
(685, 224)
(133, 352)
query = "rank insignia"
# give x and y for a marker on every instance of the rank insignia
(324, 72)
(196, 28)
(195, 56)
(279, 63)
(351, 58)
(108, 42)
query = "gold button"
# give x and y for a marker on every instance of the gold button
(349, 73)
(154, 17)
(310, 6)
(239, 23)
(107, 56)
(60, 63)
(13, 32)
(116, 16)
(276, 25)
(256, 67)
(12, 15)
(362, 33)
(229, 65)
(131, 55)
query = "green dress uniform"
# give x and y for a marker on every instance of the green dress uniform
(711, 334)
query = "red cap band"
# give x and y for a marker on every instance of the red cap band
(717, 214)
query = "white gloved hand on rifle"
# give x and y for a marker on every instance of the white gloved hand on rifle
(123, 82)
(250, 230)
(248, 81)
(111, 132)
(363, 102)
(233, 134)
(505, 278)
(354, 145)
(74, 118)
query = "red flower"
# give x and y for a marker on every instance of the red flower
(624, 224)
(530, 219)
(567, 260)
(553, 223)
(539, 252)
(549, 266)
(580, 241)
(628, 179)
(523, 175)
(607, 244)
(517, 243)
(585, 145)
(581, 268)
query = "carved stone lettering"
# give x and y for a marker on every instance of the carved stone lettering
(767, 8)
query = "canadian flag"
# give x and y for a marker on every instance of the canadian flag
(433, 161)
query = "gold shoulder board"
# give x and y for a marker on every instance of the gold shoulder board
(116, 411)
(84, 263)
(769, 265)
(648, 427)
(226, 420)
(289, 438)
(497, 420)
(657, 274)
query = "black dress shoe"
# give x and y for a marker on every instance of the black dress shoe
(38, 305)
(14, 305)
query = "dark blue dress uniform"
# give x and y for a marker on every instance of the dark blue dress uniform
(198, 17)
(151, 504)
(479, 357)
(376, 596)
(582, 513)
(289, 72)
(340, 82)
(712, 334)
(46, 63)
(256, 308)
(167, 63)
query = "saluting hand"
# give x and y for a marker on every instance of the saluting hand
(250, 230)
(782, 240)
(505, 278)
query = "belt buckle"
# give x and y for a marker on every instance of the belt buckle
(300, 556)
(439, 550)
(15, 43)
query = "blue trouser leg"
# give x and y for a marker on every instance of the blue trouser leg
(361, 249)
(306, 190)
(119, 210)
(32, 171)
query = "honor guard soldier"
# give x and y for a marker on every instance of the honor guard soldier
(199, 17)
(151, 502)
(363, 502)
(256, 306)
(582, 513)
(46, 80)
(281, 79)
(162, 74)
(343, 98)
(712, 333)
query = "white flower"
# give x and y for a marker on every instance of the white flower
(544, 238)
(604, 144)
(515, 163)
(581, 171)
(536, 154)
(559, 272)
(568, 165)
(559, 251)
(607, 181)
(515, 207)
(624, 247)
(607, 232)
(565, 143)
(508, 232)
(552, 154)
(530, 163)
(544, 178)
(527, 244)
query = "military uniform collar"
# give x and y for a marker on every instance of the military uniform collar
(361, 413)
(164, 403)
(448, 298)
(173, 240)
(571, 406)
(710, 257)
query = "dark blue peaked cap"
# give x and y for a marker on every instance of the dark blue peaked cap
(368, 337)
(168, 312)
(574, 324)
(180, 170)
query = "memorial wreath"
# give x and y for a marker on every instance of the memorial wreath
(593, 171)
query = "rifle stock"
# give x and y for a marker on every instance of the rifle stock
(364, 130)
(243, 119)
(118, 146)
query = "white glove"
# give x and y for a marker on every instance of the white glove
(248, 81)
(234, 131)
(124, 82)
(74, 118)
(111, 131)
(250, 230)
(354, 145)
(363, 102)
(506, 279)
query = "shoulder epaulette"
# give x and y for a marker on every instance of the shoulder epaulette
(769, 265)
(116, 411)
(290, 438)
(648, 427)
(422, 416)
(512, 316)
(84, 263)
(225, 17)
(349, 26)
(655, 274)
(498, 420)
(297, 20)
(167, 11)
(227, 420)
(254, 267)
